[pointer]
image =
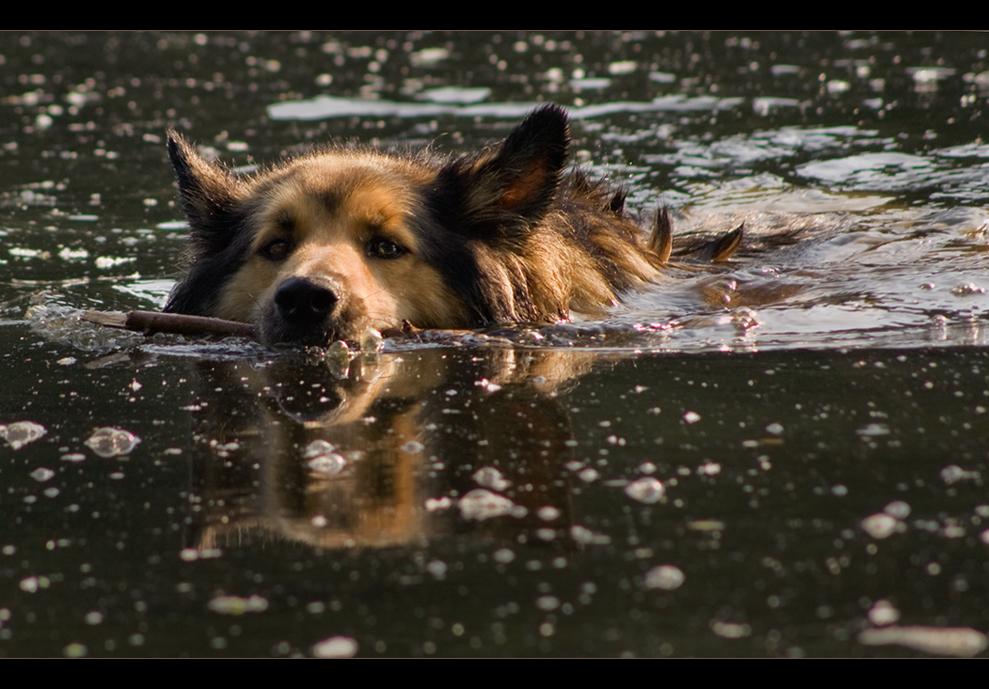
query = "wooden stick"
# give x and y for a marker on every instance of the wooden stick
(155, 322)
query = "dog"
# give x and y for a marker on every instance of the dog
(346, 241)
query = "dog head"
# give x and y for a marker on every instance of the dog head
(339, 242)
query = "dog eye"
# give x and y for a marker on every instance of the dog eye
(385, 249)
(276, 250)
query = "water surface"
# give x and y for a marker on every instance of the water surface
(780, 457)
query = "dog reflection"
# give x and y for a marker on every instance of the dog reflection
(388, 450)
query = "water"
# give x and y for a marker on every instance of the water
(782, 457)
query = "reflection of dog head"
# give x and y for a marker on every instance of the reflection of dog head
(300, 450)
(343, 241)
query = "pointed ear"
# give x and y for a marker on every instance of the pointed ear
(513, 185)
(208, 192)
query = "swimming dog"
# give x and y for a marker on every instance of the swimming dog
(346, 241)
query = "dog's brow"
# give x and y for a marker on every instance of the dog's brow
(330, 199)
(285, 221)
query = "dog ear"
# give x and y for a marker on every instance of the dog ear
(508, 188)
(208, 193)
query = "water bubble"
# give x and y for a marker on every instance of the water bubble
(21, 433)
(954, 473)
(482, 504)
(489, 477)
(622, 67)
(967, 289)
(898, 509)
(436, 504)
(646, 490)
(883, 613)
(322, 460)
(316, 448)
(582, 534)
(67, 254)
(412, 447)
(105, 262)
(880, 525)
(745, 319)
(589, 474)
(960, 642)
(953, 531)
(873, 429)
(429, 56)
(234, 605)
(75, 650)
(730, 630)
(504, 556)
(487, 385)
(666, 577)
(41, 474)
(335, 647)
(547, 603)
(836, 86)
(112, 442)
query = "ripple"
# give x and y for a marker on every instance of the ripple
(874, 171)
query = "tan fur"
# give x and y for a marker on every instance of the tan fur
(329, 245)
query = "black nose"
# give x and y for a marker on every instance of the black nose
(301, 301)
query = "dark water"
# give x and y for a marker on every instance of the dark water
(783, 458)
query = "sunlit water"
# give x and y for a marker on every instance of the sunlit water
(782, 455)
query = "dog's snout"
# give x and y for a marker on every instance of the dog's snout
(302, 301)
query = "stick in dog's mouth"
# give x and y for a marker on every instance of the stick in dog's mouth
(150, 322)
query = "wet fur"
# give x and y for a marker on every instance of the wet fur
(341, 242)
